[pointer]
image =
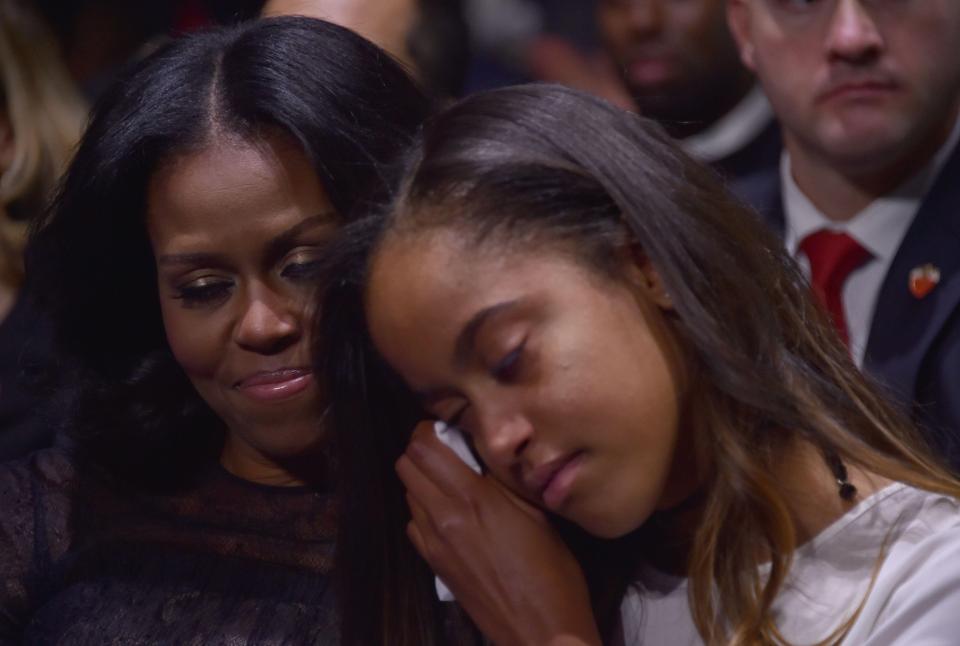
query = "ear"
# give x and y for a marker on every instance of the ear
(738, 19)
(645, 277)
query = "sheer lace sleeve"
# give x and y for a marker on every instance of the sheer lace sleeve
(34, 510)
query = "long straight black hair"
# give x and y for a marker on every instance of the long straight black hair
(349, 107)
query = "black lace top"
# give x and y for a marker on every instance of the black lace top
(227, 562)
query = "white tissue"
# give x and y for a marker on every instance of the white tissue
(453, 437)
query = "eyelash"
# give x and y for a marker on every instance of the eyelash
(454, 420)
(505, 371)
(211, 292)
(302, 271)
(204, 293)
(509, 366)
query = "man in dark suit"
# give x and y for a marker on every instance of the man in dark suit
(868, 193)
(680, 66)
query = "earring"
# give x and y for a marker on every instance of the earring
(846, 490)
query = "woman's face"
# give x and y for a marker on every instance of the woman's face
(236, 230)
(567, 382)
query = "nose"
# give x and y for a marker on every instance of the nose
(646, 16)
(268, 322)
(853, 34)
(504, 436)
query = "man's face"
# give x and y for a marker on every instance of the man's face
(676, 57)
(856, 84)
(385, 22)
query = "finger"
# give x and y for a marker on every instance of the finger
(416, 538)
(439, 463)
(418, 485)
(418, 512)
(511, 497)
(423, 534)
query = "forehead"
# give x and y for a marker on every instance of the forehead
(822, 16)
(229, 186)
(384, 22)
(666, 13)
(414, 272)
(428, 285)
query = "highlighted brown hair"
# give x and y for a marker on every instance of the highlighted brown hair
(528, 165)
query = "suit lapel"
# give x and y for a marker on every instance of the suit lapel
(904, 326)
(762, 192)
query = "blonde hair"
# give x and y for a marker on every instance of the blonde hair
(46, 116)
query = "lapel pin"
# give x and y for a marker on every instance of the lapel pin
(923, 279)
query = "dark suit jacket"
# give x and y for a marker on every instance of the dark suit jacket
(760, 155)
(914, 343)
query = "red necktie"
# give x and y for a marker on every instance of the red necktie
(833, 256)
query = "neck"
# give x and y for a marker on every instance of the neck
(842, 191)
(243, 461)
(722, 102)
(812, 492)
(809, 490)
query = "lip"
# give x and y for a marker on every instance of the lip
(866, 89)
(275, 385)
(553, 480)
(651, 70)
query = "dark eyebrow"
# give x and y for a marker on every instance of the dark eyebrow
(189, 259)
(463, 347)
(275, 248)
(282, 243)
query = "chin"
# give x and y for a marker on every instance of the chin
(608, 525)
(863, 140)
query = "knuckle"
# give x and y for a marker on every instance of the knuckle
(452, 526)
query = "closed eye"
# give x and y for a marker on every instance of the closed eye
(303, 271)
(508, 368)
(457, 417)
(203, 292)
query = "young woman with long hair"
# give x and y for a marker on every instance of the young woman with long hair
(677, 448)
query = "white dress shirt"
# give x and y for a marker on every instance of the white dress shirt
(879, 228)
(732, 131)
(911, 599)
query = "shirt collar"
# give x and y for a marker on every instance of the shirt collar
(732, 131)
(881, 226)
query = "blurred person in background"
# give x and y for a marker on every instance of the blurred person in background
(100, 37)
(867, 197)
(428, 36)
(679, 64)
(41, 118)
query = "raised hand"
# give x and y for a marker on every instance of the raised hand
(499, 556)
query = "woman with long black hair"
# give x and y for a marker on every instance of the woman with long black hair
(199, 501)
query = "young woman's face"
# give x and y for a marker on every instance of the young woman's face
(236, 230)
(567, 382)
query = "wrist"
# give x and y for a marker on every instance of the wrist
(570, 640)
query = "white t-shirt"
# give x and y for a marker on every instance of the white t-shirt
(915, 598)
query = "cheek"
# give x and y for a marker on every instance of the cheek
(193, 339)
(613, 27)
(916, 54)
(788, 91)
